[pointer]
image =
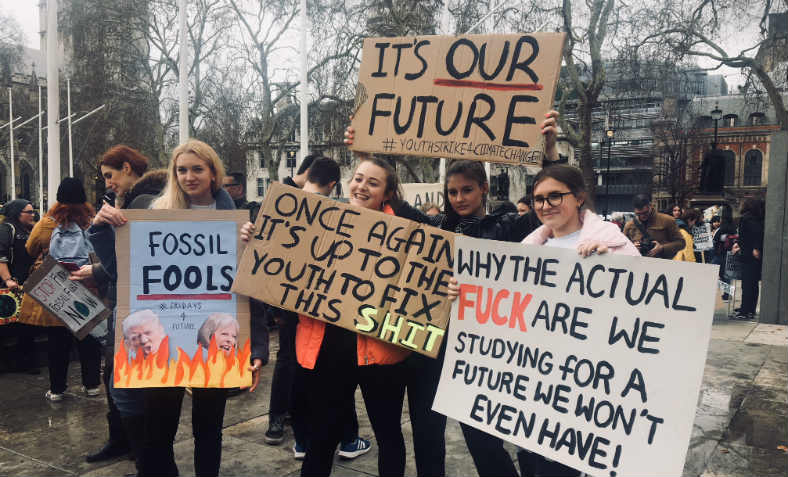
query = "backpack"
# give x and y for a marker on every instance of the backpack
(70, 244)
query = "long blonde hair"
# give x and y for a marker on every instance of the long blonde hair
(173, 196)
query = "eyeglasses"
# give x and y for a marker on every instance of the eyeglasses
(554, 199)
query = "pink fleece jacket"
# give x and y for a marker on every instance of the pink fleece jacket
(594, 230)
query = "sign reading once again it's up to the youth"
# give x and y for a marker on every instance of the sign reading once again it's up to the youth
(479, 97)
(70, 301)
(178, 323)
(376, 274)
(595, 363)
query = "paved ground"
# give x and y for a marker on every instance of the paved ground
(739, 426)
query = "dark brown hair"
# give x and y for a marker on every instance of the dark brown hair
(80, 214)
(691, 214)
(570, 176)
(117, 155)
(393, 189)
(471, 170)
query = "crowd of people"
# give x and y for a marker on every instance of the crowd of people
(319, 366)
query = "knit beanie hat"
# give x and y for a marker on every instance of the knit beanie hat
(71, 191)
(12, 209)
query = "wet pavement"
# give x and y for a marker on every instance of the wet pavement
(741, 424)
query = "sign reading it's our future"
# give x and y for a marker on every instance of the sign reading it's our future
(376, 274)
(479, 97)
(593, 362)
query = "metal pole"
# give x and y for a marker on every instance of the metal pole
(607, 178)
(304, 89)
(183, 76)
(70, 149)
(40, 158)
(11, 142)
(714, 146)
(53, 104)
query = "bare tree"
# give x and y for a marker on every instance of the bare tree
(11, 39)
(702, 31)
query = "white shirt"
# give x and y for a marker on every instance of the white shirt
(567, 241)
(211, 206)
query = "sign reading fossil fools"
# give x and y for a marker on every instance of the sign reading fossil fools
(376, 274)
(479, 97)
(178, 324)
(593, 362)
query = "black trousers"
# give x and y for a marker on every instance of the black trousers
(492, 460)
(117, 434)
(750, 276)
(330, 393)
(285, 369)
(162, 415)
(59, 342)
(429, 427)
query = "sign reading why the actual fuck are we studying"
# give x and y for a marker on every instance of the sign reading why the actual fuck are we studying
(479, 97)
(376, 274)
(178, 323)
(593, 362)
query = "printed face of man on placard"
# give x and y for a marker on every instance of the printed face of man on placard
(142, 331)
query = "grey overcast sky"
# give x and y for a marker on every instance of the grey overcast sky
(26, 13)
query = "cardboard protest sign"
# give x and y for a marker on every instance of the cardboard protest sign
(418, 194)
(178, 324)
(70, 301)
(479, 97)
(732, 266)
(726, 287)
(702, 237)
(595, 363)
(10, 304)
(375, 274)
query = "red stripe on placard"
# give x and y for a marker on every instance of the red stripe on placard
(187, 296)
(494, 86)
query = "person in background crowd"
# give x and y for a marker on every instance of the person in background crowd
(431, 209)
(687, 221)
(719, 239)
(235, 185)
(121, 167)
(71, 208)
(750, 247)
(300, 178)
(653, 233)
(505, 207)
(677, 211)
(559, 198)
(15, 265)
(523, 205)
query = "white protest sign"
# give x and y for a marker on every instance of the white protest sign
(76, 306)
(595, 363)
(726, 287)
(701, 236)
(418, 194)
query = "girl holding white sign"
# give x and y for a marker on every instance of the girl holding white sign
(559, 202)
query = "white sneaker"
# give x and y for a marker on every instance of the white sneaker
(53, 396)
(92, 392)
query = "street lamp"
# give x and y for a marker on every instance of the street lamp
(609, 133)
(716, 115)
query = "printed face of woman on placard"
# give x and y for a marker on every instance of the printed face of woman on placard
(466, 196)
(194, 176)
(226, 337)
(368, 186)
(556, 217)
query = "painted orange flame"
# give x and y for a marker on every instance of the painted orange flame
(218, 370)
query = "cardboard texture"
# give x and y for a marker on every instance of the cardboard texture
(375, 274)
(70, 301)
(185, 328)
(593, 362)
(418, 194)
(479, 97)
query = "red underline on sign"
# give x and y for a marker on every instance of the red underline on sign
(484, 85)
(187, 296)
